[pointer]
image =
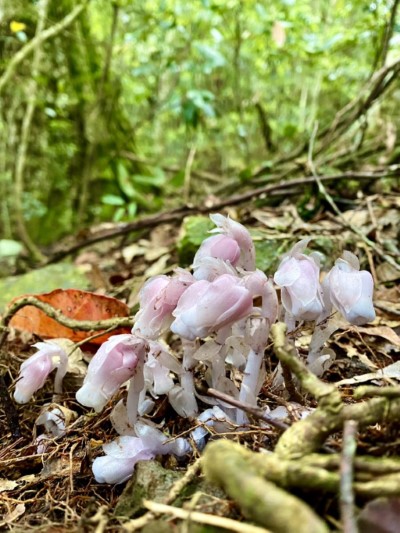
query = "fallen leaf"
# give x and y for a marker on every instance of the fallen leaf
(382, 331)
(75, 304)
(391, 371)
(7, 484)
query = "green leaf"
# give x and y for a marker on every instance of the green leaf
(112, 199)
(194, 230)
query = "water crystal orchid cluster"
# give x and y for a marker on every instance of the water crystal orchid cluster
(222, 311)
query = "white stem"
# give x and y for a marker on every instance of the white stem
(321, 334)
(249, 383)
(136, 385)
(62, 367)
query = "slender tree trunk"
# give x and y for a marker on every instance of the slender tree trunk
(20, 165)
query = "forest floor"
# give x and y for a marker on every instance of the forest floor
(55, 491)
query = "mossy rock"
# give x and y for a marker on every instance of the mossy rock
(46, 279)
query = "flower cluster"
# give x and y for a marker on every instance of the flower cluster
(222, 311)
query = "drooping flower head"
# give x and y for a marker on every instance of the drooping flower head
(207, 306)
(350, 290)
(221, 247)
(158, 298)
(123, 453)
(236, 231)
(35, 370)
(298, 277)
(114, 363)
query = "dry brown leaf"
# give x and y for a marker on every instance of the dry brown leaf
(75, 304)
(381, 331)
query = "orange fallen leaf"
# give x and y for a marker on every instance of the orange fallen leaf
(75, 304)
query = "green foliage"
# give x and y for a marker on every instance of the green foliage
(159, 78)
(194, 230)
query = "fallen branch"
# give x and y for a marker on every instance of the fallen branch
(178, 214)
(226, 464)
(203, 518)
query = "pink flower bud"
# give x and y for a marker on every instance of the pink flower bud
(207, 306)
(298, 277)
(220, 247)
(35, 370)
(239, 233)
(158, 298)
(351, 290)
(113, 364)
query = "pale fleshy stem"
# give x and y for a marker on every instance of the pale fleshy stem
(188, 362)
(62, 367)
(136, 385)
(249, 384)
(322, 333)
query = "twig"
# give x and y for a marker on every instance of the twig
(346, 477)
(381, 56)
(188, 173)
(178, 214)
(203, 518)
(82, 325)
(377, 249)
(38, 40)
(255, 411)
(176, 489)
(368, 391)
(294, 395)
(286, 353)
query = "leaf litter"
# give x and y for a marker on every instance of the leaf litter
(55, 490)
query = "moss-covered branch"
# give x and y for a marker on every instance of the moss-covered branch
(226, 464)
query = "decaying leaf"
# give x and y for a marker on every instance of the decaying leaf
(75, 304)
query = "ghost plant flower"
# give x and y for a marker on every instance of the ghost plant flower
(350, 290)
(206, 307)
(35, 370)
(239, 233)
(158, 298)
(298, 277)
(218, 247)
(114, 363)
(122, 454)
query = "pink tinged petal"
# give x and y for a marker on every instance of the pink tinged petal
(206, 307)
(158, 298)
(120, 459)
(301, 291)
(155, 439)
(351, 291)
(114, 364)
(210, 268)
(239, 233)
(35, 370)
(218, 247)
